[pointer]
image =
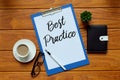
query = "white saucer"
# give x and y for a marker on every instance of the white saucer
(32, 50)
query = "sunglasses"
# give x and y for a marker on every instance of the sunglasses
(37, 64)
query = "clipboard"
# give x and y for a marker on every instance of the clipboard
(57, 31)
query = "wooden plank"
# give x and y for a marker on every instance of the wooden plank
(9, 37)
(54, 3)
(81, 75)
(109, 61)
(20, 18)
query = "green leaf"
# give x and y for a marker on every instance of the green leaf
(86, 16)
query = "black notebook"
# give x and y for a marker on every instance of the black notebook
(97, 38)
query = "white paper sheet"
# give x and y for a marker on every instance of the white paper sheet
(66, 51)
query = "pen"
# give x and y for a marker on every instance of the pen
(55, 60)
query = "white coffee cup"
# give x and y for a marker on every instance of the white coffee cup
(23, 51)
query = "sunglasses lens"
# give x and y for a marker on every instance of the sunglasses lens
(37, 70)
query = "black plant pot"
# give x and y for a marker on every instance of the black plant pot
(85, 24)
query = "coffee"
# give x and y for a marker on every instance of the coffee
(22, 50)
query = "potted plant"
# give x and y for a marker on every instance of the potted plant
(86, 16)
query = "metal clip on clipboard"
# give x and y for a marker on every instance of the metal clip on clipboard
(51, 11)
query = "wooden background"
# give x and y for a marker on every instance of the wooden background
(15, 24)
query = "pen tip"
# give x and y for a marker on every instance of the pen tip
(47, 52)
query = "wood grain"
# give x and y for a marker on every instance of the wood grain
(9, 37)
(15, 24)
(81, 75)
(20, 18)
(108, 61)
(54, 3)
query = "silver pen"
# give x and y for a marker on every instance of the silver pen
(56, 60)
